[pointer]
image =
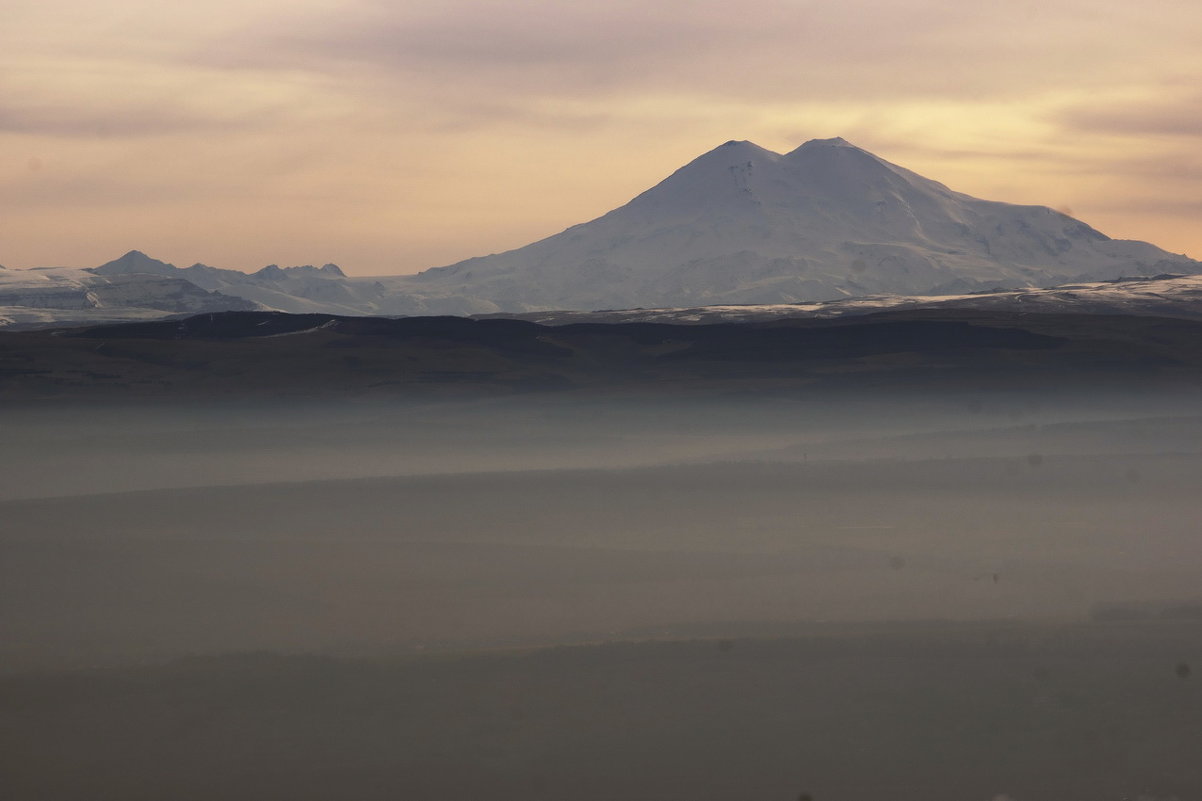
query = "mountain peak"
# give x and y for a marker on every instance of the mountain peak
(325, 271)
(834, 144)
(738, 149)
(740, 143)
(135, 261)
(835, 141)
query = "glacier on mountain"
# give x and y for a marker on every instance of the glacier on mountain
(739, 225)
(742, 224)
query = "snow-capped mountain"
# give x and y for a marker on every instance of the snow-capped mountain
(738, 225)
(138, 287)
(742, 224)
(63, 294)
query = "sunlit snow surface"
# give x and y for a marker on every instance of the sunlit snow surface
(55, 295)
(1174, 296)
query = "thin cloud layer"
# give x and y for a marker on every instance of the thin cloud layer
(767, 49)
(1178, 115)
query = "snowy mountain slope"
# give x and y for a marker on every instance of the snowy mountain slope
(1160, 296)
(742, 224)
(305, 289)
(298, 290)
(138, 287)
(63, 294)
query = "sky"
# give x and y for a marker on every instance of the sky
(389, 136)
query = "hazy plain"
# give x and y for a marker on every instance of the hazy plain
(255, 601)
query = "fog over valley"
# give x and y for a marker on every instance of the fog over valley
(506, 595)
(391, 529)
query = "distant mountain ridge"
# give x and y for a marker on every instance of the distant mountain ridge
(740, 224)
(55, 295)
(135, 262)
(292, 289)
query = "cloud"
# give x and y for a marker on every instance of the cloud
(73, 121)
(1167, 108)
(1189, 208)
(465, 65)
(1165, 169)
(1174, 116)
(87, 99)
(764, 50)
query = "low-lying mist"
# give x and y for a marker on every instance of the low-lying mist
(135, 535)
(912, 597)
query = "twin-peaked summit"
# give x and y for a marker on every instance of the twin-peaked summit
(742, 224)
(737, 225)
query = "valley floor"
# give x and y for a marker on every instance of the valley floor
(925, 712)
(966, 597)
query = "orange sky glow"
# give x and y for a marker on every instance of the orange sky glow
(391, 137)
